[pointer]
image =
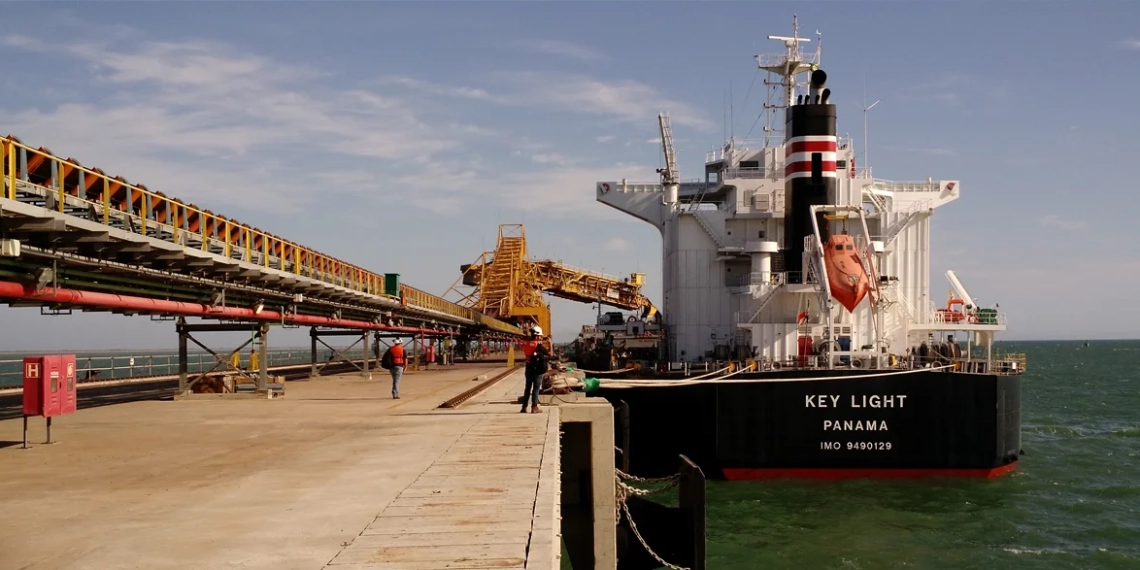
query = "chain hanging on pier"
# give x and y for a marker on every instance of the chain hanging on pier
(624, 491)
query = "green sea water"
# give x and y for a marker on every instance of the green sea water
(1074, 501)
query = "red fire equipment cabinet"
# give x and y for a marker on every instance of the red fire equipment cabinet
(49, 388)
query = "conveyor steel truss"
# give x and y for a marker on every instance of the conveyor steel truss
(82, 232)
(509, 286)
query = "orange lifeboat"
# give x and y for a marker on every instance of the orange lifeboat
(845, 273)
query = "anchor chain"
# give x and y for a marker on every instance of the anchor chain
(624, 491)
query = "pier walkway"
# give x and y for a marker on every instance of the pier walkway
(336, 475)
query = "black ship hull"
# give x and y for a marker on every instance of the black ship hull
(855, 423)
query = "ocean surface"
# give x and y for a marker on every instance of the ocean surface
(1074, 501)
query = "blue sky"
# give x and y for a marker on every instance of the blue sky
(399, 135)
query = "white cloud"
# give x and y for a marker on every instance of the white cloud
(1056, 221)
(617, 244)
(567, 192)
(1130, 43)
(199, 100)
(221, 127)
(935, 151)
(624, 99)
(550, 158)
(565, 49)
(559, 192)
(439, 89)
(950, 88)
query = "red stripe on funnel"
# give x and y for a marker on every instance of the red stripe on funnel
(809, 146)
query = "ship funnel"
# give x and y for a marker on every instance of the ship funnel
(810, 175)
(818, 81)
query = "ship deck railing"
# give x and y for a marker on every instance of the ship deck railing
(746, 145)
(1001, 365)
(940, 316)
(900, 186)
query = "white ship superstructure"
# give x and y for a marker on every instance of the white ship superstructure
(728, 293)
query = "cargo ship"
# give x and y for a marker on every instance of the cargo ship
(799, 336)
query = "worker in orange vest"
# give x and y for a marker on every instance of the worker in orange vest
(537, 362)
(395, 360)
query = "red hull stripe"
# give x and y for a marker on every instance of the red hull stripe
(833, 474)
(809, 146)
(805, 166)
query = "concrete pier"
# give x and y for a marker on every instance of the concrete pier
(334, 475)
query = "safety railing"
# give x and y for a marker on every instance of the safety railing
(737, 280)
(617, 281)
(415, 298)
(766, 278)
(751, 173)
(955, 316)
(37, 176)
(73, 186)
(780, 59)
(999, 364)
(907, 186)
(120, 366)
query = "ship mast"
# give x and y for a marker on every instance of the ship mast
(783, 68)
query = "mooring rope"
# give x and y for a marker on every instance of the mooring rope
(624, 491)
(626, 369)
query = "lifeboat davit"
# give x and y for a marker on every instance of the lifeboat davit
(845, 273)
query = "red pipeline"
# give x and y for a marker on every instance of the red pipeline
(13, 290)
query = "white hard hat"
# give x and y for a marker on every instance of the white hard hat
(398, 341)
(537, 330)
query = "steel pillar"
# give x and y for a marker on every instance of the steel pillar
(367, 357)
(338, 356)
(185, 337)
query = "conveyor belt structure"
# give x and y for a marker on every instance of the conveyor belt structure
(90, 241)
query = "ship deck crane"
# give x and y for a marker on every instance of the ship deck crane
(669, 176)
(509, 286)
(960, 290)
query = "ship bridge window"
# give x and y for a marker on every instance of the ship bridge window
(754, 164)
(850, 247)
(839, 247)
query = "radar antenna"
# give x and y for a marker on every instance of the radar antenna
(783, 68)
